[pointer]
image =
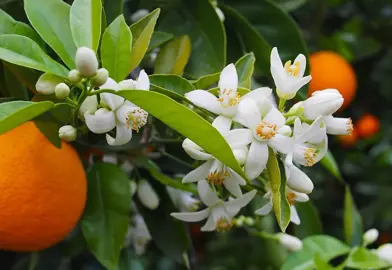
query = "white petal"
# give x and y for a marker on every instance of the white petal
(112, 100)
(274, 116)
(301, 197)
(143, 82)
(127, 84)
(228, 79)
(210, 225)
(257, 159)
(258, 95)
(123, 112)
(241, 153)
(338, 126)
(204, 99)
(312, 131)
(237, 178)
(101, 122)
(110, 84)
(280, 80)
(232, 186)
(250, 113)
(234, 206)
(123, 135)
(195, 151)
(298, 180)
(222, 124)
(239, 137)
(298, 84)
(207, 195)
(323, 104)
(301, 59)
(275, 58)
(297, 127)
(89, 104)
(265, 210)
(192, 216)
(294, 215)
(285, 130)
(280, 143)
(200, 173)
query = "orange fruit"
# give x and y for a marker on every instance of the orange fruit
(330, 70)
(367, 125)
(349, 141)
(42, 190)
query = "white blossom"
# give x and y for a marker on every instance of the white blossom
(183, 200)
(384, 252)
(370, 236)
(147, 195)
(86, 62)
(138, 235)
(290, 242)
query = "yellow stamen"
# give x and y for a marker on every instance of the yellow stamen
(137, 118)
(228, 99)
(223, 225)
(310, 156)
(292, 70)
(350, 127)
(291, 196)
(265, 130)
(217, 177)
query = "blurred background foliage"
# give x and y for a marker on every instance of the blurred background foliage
(358, 30)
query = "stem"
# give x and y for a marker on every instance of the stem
(71, 102)
(281, 104)
(100, 91)
(164, 153)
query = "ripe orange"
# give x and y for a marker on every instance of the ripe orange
(367, 125)
(349, 141)
(330, 70)
(42, 190)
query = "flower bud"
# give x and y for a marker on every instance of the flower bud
(100, 78)
(147, 195)
(68, 133)
(132, 187)
(322, 103)
(86, 62)
(290, 242)
(89, 104)
(61, 90)
(74, 76)
(338, 126)
(384, 252)
(297, 180)
(370, 236)
(249, 221)
(47, 83)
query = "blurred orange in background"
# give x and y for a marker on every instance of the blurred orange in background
(367, 126)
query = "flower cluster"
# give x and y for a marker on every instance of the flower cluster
(252, 124)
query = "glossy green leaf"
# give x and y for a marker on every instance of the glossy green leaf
(206, 81)
(51, 20)
(361, 258)
(186, 122)
(168, 181)
(105, 219)
(10, 26)
(113, 8)
(169, 234)
(290, 5)
(15, 87)
(321, 264)
(310, 220)
(278, 180)
(15, 113)
(198, 20)
(173, 83)
(353, 228)
(326, 248)
(26, 76)
(142, 31)
(116, 49)
(22, 51)
(159, 38)
(85, 19)
(329, 163)
(173, 57)
(245, 67)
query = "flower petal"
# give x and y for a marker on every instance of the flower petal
(222, 124)
(210, 225)
(228, 79)
(301, 59)
(250, 113)
(239, 137)
(258, 95)
(264, 210)
(123, 135)
(257, 159)
(101, 122)
(275, 58)
(298, 180)
(274, 116)
(143, 82)
(237, 178)
(234, 206)
(280, 143)
(338, 126)
(195, 151)
(205, 100)
(314, 130)
(110, 84)
(241, 153)
(112, 100)
(200, 173)
(294, 215)
(192, 216)
(232, 186)
(207, 195)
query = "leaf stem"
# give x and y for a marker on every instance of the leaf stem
(281, 104)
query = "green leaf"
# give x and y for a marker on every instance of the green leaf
(172, 83)
(329, 163)
(310, 220)
(116, 49)
(105, 219)
(324, 246)
(169, 234)
(26, 76)
(361, 258)
(173, 57)
(15, 113)
(278, 189)
(206, 81)
(113, 8)
(10, 26)
(353, 228)
(290, 5)
(51, 20)
(186, 122)
(159, 38)
(321, 264)
(245, 67)
(22, 51)
(15, 87)
(142, 31)
(166, 180)
(85, 19)
(198, 20)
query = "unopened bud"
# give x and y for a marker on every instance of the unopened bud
(249, 221)
(290, 242)
(322, 103)
(68, 133)
(384, 252)
(61, 90)
(89, 104)
(100, 78)
(86, 62)
(370, 236)
(147, 195)
(74, 76)
(47, 83)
